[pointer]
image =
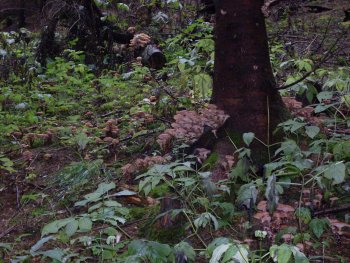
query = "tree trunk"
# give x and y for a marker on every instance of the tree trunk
(244, 84)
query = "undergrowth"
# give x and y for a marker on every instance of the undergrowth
(93, 212)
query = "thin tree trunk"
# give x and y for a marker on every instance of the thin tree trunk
(244, 84)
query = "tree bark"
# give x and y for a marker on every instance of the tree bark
(244, 84)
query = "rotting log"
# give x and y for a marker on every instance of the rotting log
(153, 57)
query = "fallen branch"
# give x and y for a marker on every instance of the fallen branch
(332, 210)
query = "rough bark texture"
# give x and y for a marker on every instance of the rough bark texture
(244, 85)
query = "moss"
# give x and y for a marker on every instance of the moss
(211, 161)
(143, 212)
(169, 235)
(160, 190)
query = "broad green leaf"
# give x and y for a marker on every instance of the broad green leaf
(85, 224)
(299, 257)
(282, 253)
(93, 197)
(217, 242)
(203, 83)
(82, 203)
(218, 252)
(312, 131)
(318, 226)
(123, 7)
(104, 187)
(303, 214)
(324, 95)
(248, 138)
(111, 203)
(240, 170)
(71, 228)
(6, 246)
(341, 151)
(56, 254)
(55, 226)
(241, 254)
(187, 249)
(321, 107)
(39, 244)
(94, 207)
(336, 172)
(247, 195)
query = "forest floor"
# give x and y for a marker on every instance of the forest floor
(71, 132)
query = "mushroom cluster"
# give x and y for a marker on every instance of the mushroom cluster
(189, 125)
(110, 129)
(140, 40)
(111, 132)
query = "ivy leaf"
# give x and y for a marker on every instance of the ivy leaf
(312, 131)
(336, 172)
(318, 226)
(248, 138)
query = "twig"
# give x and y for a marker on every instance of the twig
(323, 60)
(110, 113)
(333, 210)
(7, 231)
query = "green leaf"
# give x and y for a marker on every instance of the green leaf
(186, 249)
(123, 7)
(203, 83)
(324, 95)
(85, 224)
(71, 228)
(303, 214)
(218, 253)
(56, 254)
(247, 195)
(248, 138)
(104, 187)
(318, 226)
(321, 107)
(82, 140)
(299, 257)
(312, 131)
(241, 170)
(283, 253)
(111, 203)
(336, 172)
(55, 226)
(341, 151)
(6, 246)
(217, 242)
(39, 244)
